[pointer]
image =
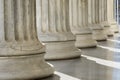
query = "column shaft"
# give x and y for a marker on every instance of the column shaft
(110, 16)
(105, 23)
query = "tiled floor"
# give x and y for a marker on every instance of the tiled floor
(100, 63)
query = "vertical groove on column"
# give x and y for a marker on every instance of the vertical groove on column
(28, 18)
(24, 21)
(95, 17)
(89, 12)
(9, 20)
(86, 12)
(83, 13)
(52, 24)
(31, 28)
(19, 19)
(93, 12)
(38, 16)
(100, 10)
(64, 15)
(71, 14)
(34, 29)
(105, 10)
(80, 17)
(96, 11)
(75, 13)
(2, 38)
(58, 12)
(44, 10)
(67, 15)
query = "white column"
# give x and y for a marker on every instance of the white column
(54, 30)
(80, 26)
(110, 16)
(98, 29)
(105, 23)
(21, 53)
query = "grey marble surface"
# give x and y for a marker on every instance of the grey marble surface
(86, 69)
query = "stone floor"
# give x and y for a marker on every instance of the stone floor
(100, 63)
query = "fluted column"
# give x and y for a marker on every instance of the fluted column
(110, 16)
(79, 23)
(98, 29)
(54, 30)
(105, 23)
(21, 53)
(102, 4)
(101, 13)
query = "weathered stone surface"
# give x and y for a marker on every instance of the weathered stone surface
(21, 53)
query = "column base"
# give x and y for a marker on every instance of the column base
(69, 36)
(49, 37)
(61, 50)
(108, 31)
(85, 41)
(99, 35)
(114, 28)
(24, 67)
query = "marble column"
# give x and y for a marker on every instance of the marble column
(101, 16)
(54, 30)
(21, 53)
(110, 16)
(79, 24)
(98, 29)
(105, 22)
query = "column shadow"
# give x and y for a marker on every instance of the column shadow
(53, 77)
